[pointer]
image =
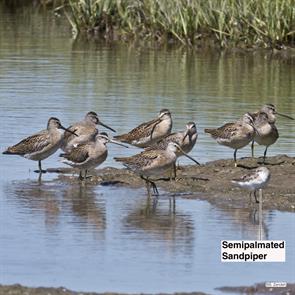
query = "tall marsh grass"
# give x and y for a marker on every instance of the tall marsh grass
(241, 23)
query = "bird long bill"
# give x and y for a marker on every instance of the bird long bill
(157, 120)
(66, 129)
(118, 143)
(185, 154)
(186, 134)
(106, 126)
(256, 130)
(286, 116)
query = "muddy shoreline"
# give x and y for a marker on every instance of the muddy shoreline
(260, 288)
(210, 181)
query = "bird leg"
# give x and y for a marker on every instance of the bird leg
(256, 197)
(155, 189)
(80, 175)
(147, 183)
(264, 155)
(252, 148)
(40, 178)
(40, 168)
(173, 172)
(235, 157)
(250, 196)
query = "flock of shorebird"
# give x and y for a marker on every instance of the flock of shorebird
(85, 148)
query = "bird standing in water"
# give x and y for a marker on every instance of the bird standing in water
(153, 163)
(41, 145)
(149, 132)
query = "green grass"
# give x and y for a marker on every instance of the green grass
(229, 23)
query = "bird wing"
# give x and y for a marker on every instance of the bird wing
(145, 129)
(140, 160)
(32, 144)
(246, 178)
(78, 154)
(225, 131)
(163, 143)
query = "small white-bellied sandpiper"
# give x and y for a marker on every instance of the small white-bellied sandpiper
(149, 132)
(254, 181)
(88, 155)
(235, 135)
(153, 163)
(86, 130)
(41, 145)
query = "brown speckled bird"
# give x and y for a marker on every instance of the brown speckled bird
(149, 132)
(86, 130)
(153, 163)
(267, 133)
(235, 135)
(41, 145)
(88, 155)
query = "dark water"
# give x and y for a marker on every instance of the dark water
(111, 238)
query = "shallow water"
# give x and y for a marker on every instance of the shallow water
(110, 238)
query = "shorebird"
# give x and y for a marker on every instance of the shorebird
(235, 135)
(267, 133)
(88, 155)
(86, 130)
(264, 122)
(153, 163)
(41, 145)
(149, 132)
(185, 139)
(254, 181)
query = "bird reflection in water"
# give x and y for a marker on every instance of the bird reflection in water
(84, 203)
(56, 202)
(249, 221)
(160, 221)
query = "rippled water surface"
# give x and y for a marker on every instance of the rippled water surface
(112, 238)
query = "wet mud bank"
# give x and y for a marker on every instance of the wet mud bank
(21, 290)
(259, 289)
(210, 181)
(256, 289)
